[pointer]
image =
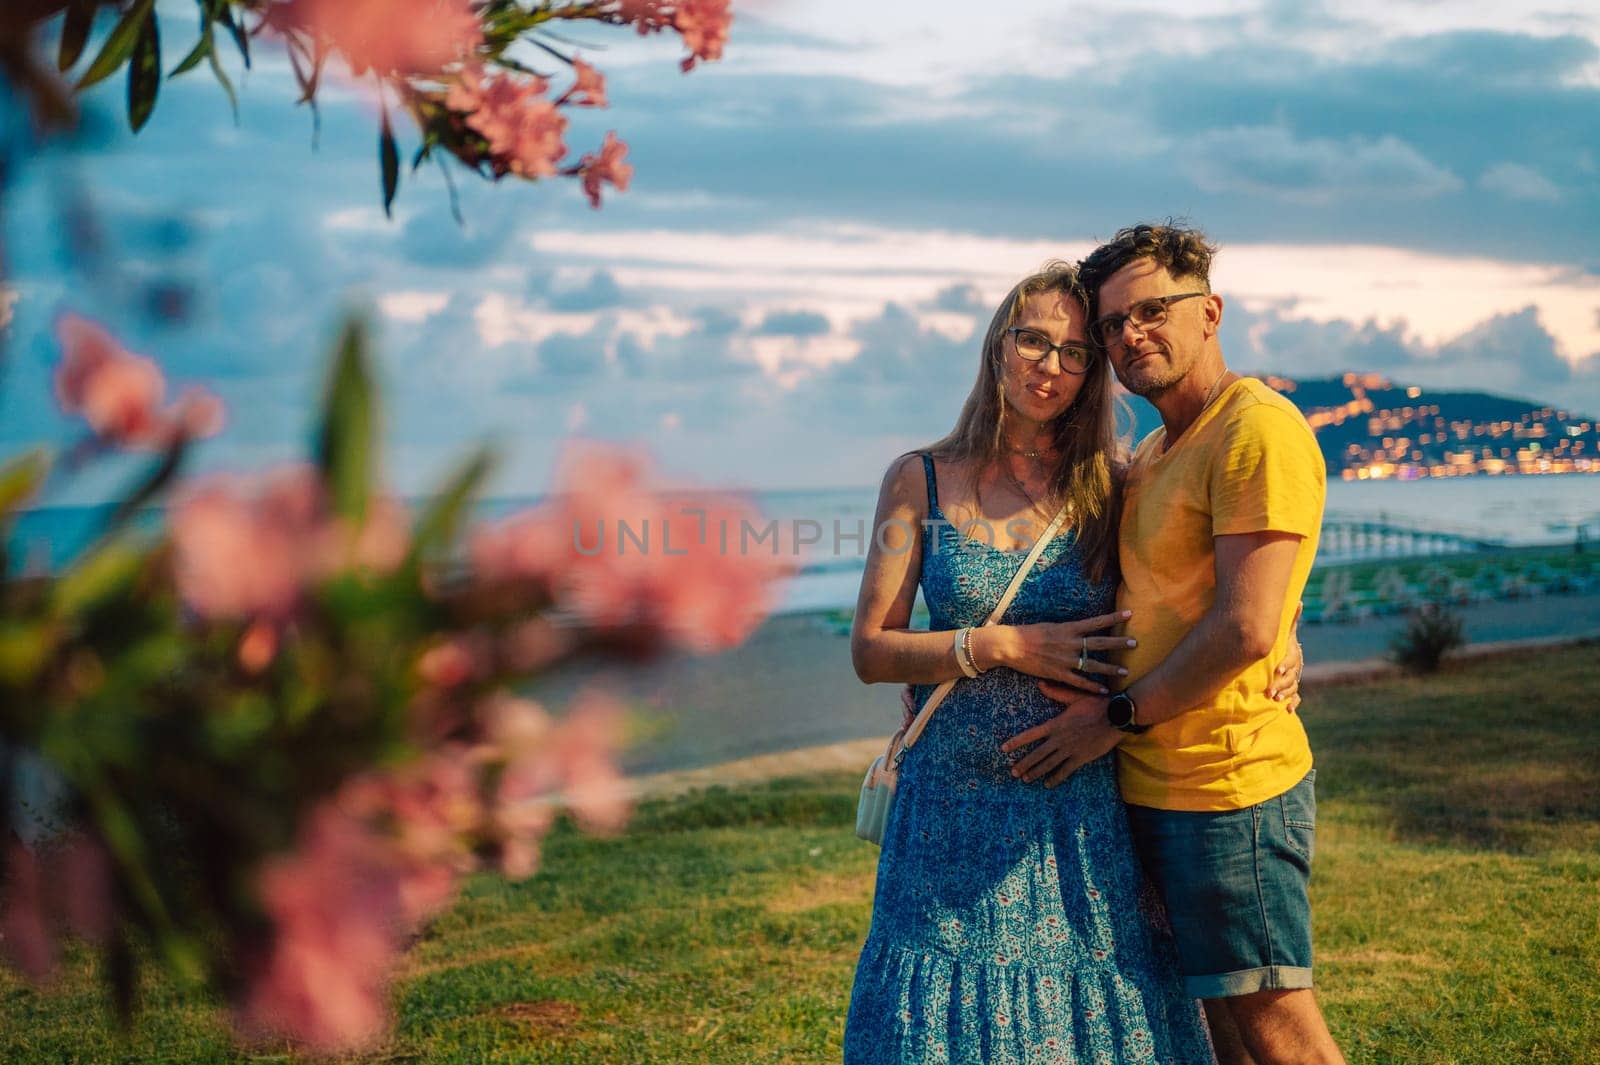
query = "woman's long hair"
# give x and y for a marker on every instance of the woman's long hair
(1085, 434)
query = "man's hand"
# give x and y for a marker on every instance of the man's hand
(1067, 742)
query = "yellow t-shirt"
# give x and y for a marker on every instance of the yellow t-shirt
(1249, 463)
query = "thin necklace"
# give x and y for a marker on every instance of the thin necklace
(1019, 486)
(1024, 452)
(1211, 394)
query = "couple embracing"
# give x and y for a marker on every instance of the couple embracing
(1110, 814)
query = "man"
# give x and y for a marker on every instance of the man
(1219, 528)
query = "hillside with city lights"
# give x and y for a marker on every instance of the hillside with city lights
(1372, 428)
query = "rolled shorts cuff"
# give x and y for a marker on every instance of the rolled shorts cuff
(1248, 981)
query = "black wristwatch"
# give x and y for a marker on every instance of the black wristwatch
(1120, 713)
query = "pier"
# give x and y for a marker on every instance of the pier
(1350, 538)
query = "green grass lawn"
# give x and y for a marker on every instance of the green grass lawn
(1457, 898)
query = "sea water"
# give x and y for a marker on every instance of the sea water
(1509, 510)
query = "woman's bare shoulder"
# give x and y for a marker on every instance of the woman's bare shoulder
(905, 471)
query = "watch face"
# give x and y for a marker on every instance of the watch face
(1119, 711)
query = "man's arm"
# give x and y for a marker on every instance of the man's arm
(1253, 571)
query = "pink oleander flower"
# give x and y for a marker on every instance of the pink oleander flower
(620, 555)
(456, 660)
(337, 918)
(712, 596)
(70, 890)
(570, 761)
(593, 485)
(243, 554)
(537, 145)
(585, 744)
(406, 37)
(122, 399)
(429, 806)
(379, 545)
(120, 395)
(516, 728)
(526, 547)
(607, 166)
(200, 413)
(589, 88)
(246, 549)
(522, 128)
(258, 646)
(704, 26)
(465, 93)
(25, 933)
(647, 16)
(533, 645)
(86, 348)
(497, 105)
(83, 871)
(368, 866)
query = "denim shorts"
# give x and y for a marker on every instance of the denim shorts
(1235, 884)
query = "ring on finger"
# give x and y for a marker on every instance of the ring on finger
(1081, 661)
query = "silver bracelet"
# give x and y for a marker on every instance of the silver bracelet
(967, 646)
(963, 655)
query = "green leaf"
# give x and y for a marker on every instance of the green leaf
(196, 56)
(222, 11)
(440, 521)
(119, 46)
(309, 80)
(349, 425)
(512, 64)
(151, 485)
(389, 159)
(25, 650)
(122, 971)
(240, 724)
(98, 577)
(75, 32)
(227, 86)
(20, 478)
(122, 833)
(144, 74)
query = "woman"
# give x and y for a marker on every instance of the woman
(1011, 921)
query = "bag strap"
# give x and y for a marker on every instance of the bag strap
(915, 731)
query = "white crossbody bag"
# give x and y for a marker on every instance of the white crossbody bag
(878, 787)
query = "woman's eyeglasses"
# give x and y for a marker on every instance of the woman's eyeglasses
(1034, 346)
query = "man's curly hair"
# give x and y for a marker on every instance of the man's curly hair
(1184, 250)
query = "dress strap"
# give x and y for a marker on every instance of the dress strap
(933, 482)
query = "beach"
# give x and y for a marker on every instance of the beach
(790, 687)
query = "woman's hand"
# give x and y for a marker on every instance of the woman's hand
(1286, 676)
(1055, 650)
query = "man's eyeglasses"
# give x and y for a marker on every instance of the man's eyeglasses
(1033, 346)
(1145, 316)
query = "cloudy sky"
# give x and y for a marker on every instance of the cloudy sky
(788, 294)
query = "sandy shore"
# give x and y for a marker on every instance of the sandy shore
(790, 687)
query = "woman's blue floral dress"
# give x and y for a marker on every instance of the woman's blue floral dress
(1012, 923)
